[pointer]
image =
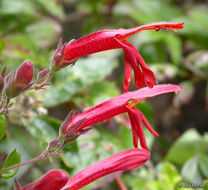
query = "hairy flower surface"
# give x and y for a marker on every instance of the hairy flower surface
(126, 160)
(116, 39)
(74, 125)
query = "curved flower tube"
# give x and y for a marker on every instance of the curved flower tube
(115, 39)
(74, 125)
(126, 160)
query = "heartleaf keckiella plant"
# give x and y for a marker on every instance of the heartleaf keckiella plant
(126, 160)
(74, 125)
(116, 39)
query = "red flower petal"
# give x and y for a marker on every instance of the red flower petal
(125, 160)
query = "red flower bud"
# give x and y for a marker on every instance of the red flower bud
(2, 79)
(18, 80)
(1, 83)
(126, 160)
(54, 180)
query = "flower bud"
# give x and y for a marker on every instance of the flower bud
(2, 79)
(1, 83)
(18, 80)
(42, 75)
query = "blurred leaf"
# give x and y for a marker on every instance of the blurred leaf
(53, 122)
(71, 80)
(2, 126)
(1, 45)
(12, 159)
(157, 185)
(53, 8)
(186, 95)
(190, 171)
(170, 174)
(44, 33)
(164, 71)
(96, 93)
(190, 143)
(203, 165)
(17, 7)
(197, 63)
(92, 147)
(42, 130)
(126, 135)
(147, 11)
(205, 184)
(174, 46)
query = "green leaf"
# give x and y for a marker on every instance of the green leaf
(17, 7)
(1, 45)
(190, 143)
(82, 75)
(185, 96)
(96, 93)
(42, 129)
(190, 171)
(44, 33)
(170, 174)
(174, 46)
(2, 126)
(205, 184)
(203, 165)
(12, 159)
(53, 8)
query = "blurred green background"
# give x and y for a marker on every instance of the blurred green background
(30, 29)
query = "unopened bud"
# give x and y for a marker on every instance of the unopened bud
(2, 75)
(1, 83)
(42, 75)
(18, 80)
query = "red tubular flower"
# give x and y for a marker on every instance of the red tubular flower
(18, 80)
(116, 39)
(126, 160)
(74, 125)
(52, 180)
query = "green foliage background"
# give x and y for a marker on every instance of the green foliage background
(30, 29)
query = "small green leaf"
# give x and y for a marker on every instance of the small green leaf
(205, 184)
(203, 165)
(170, 174)
(2, 126)
(1, 45)
(190, 143)
(12, 159)
(190, 171)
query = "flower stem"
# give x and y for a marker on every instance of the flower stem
(25, 163)
(48, 152)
